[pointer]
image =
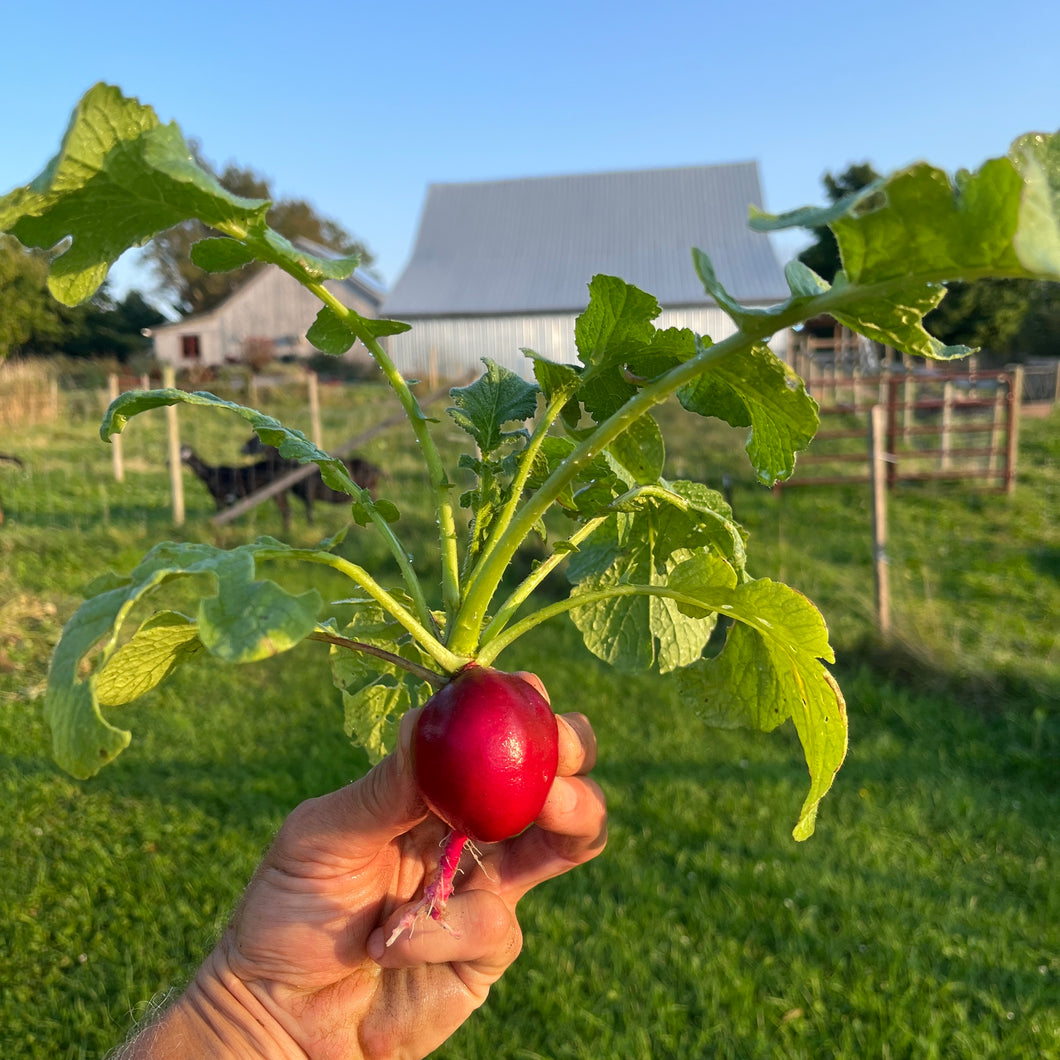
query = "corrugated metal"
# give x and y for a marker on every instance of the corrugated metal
(532, 245)
(453, 347)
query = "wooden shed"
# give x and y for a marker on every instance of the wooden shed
(500, 265)
(265, 317)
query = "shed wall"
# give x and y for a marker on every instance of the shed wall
(453, 347)
(273, 305)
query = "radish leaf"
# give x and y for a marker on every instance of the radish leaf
(158, 647)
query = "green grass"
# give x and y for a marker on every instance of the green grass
(920, 921)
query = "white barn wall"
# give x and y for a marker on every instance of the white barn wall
(453, 347)
(272, 305)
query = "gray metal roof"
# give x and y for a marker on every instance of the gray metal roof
(532, 245)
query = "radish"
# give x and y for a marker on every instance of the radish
(484, 753)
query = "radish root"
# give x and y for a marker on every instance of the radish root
(437, 893)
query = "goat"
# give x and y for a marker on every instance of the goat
(312, 487)
(229, 484)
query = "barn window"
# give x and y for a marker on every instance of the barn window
(189, 348)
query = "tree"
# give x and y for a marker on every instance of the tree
(190, 289)
(987, 314)
(27, 310)
(823, 255)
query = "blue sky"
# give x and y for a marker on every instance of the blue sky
(358, 107)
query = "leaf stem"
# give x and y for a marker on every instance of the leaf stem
(435, 679)
(449, 661)
(468, 626)
(519, 596)
(491, 570)
(435, 468)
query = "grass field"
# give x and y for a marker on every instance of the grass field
(920, 921)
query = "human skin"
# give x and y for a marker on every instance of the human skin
(304, 970)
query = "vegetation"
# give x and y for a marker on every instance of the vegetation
(921, 922)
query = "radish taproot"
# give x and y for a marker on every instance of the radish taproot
(484, 754)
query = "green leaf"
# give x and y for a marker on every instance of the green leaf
(761, 392)
(1037, 239)
(930, 228)
(616, 323)
(221, 254)
(313, 267)
(897, 320)
(746, 318)
(558, 381)
(330, 333)
(639, 453)
(120, 177)
(158, 647)
(375, 693)
(82, 740)
(291, 444)
(496, 398)
(636, 630)
(251, 620)
(770, 671)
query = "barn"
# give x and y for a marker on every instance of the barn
(500, 265)
(265, 317)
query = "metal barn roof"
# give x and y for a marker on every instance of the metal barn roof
(532, 245)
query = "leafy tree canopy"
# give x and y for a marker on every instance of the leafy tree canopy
(190, 289)
(32, 322)
(27, 310)
(823, 255)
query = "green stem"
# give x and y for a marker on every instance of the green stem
(489, 652)
(533, 580)
(491, 570)
(435, 469)
(449, 661)
(439, 480)
(466, 631)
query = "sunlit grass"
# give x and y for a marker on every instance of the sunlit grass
(920, 921)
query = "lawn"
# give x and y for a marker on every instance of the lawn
(920, 921)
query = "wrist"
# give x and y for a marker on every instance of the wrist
(216, 1018)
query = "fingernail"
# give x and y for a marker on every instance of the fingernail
(376, 945)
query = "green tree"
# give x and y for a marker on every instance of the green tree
(823, 255)
(190, 289)
(27, 310)
(988, 314)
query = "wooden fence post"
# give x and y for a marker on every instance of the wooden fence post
(1012, 443)
(878, 475)
(176, 478)
(946, 441)
(313, 383)
(113, 390)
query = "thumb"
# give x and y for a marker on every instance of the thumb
(364, 816)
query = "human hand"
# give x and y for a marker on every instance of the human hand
(304, 969)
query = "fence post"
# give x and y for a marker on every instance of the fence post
(1012, 444)
(314, 409)
(946, 441)
(113, 390)
(879, 470)
(176, 479)
(892, 432)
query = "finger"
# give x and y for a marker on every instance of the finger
(478, 927)
(577, 744)
(570, 830)
(354, 822)
(535, 682)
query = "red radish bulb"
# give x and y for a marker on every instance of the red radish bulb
(484, 753)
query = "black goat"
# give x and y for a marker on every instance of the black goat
(313, 487)
(230, 484)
